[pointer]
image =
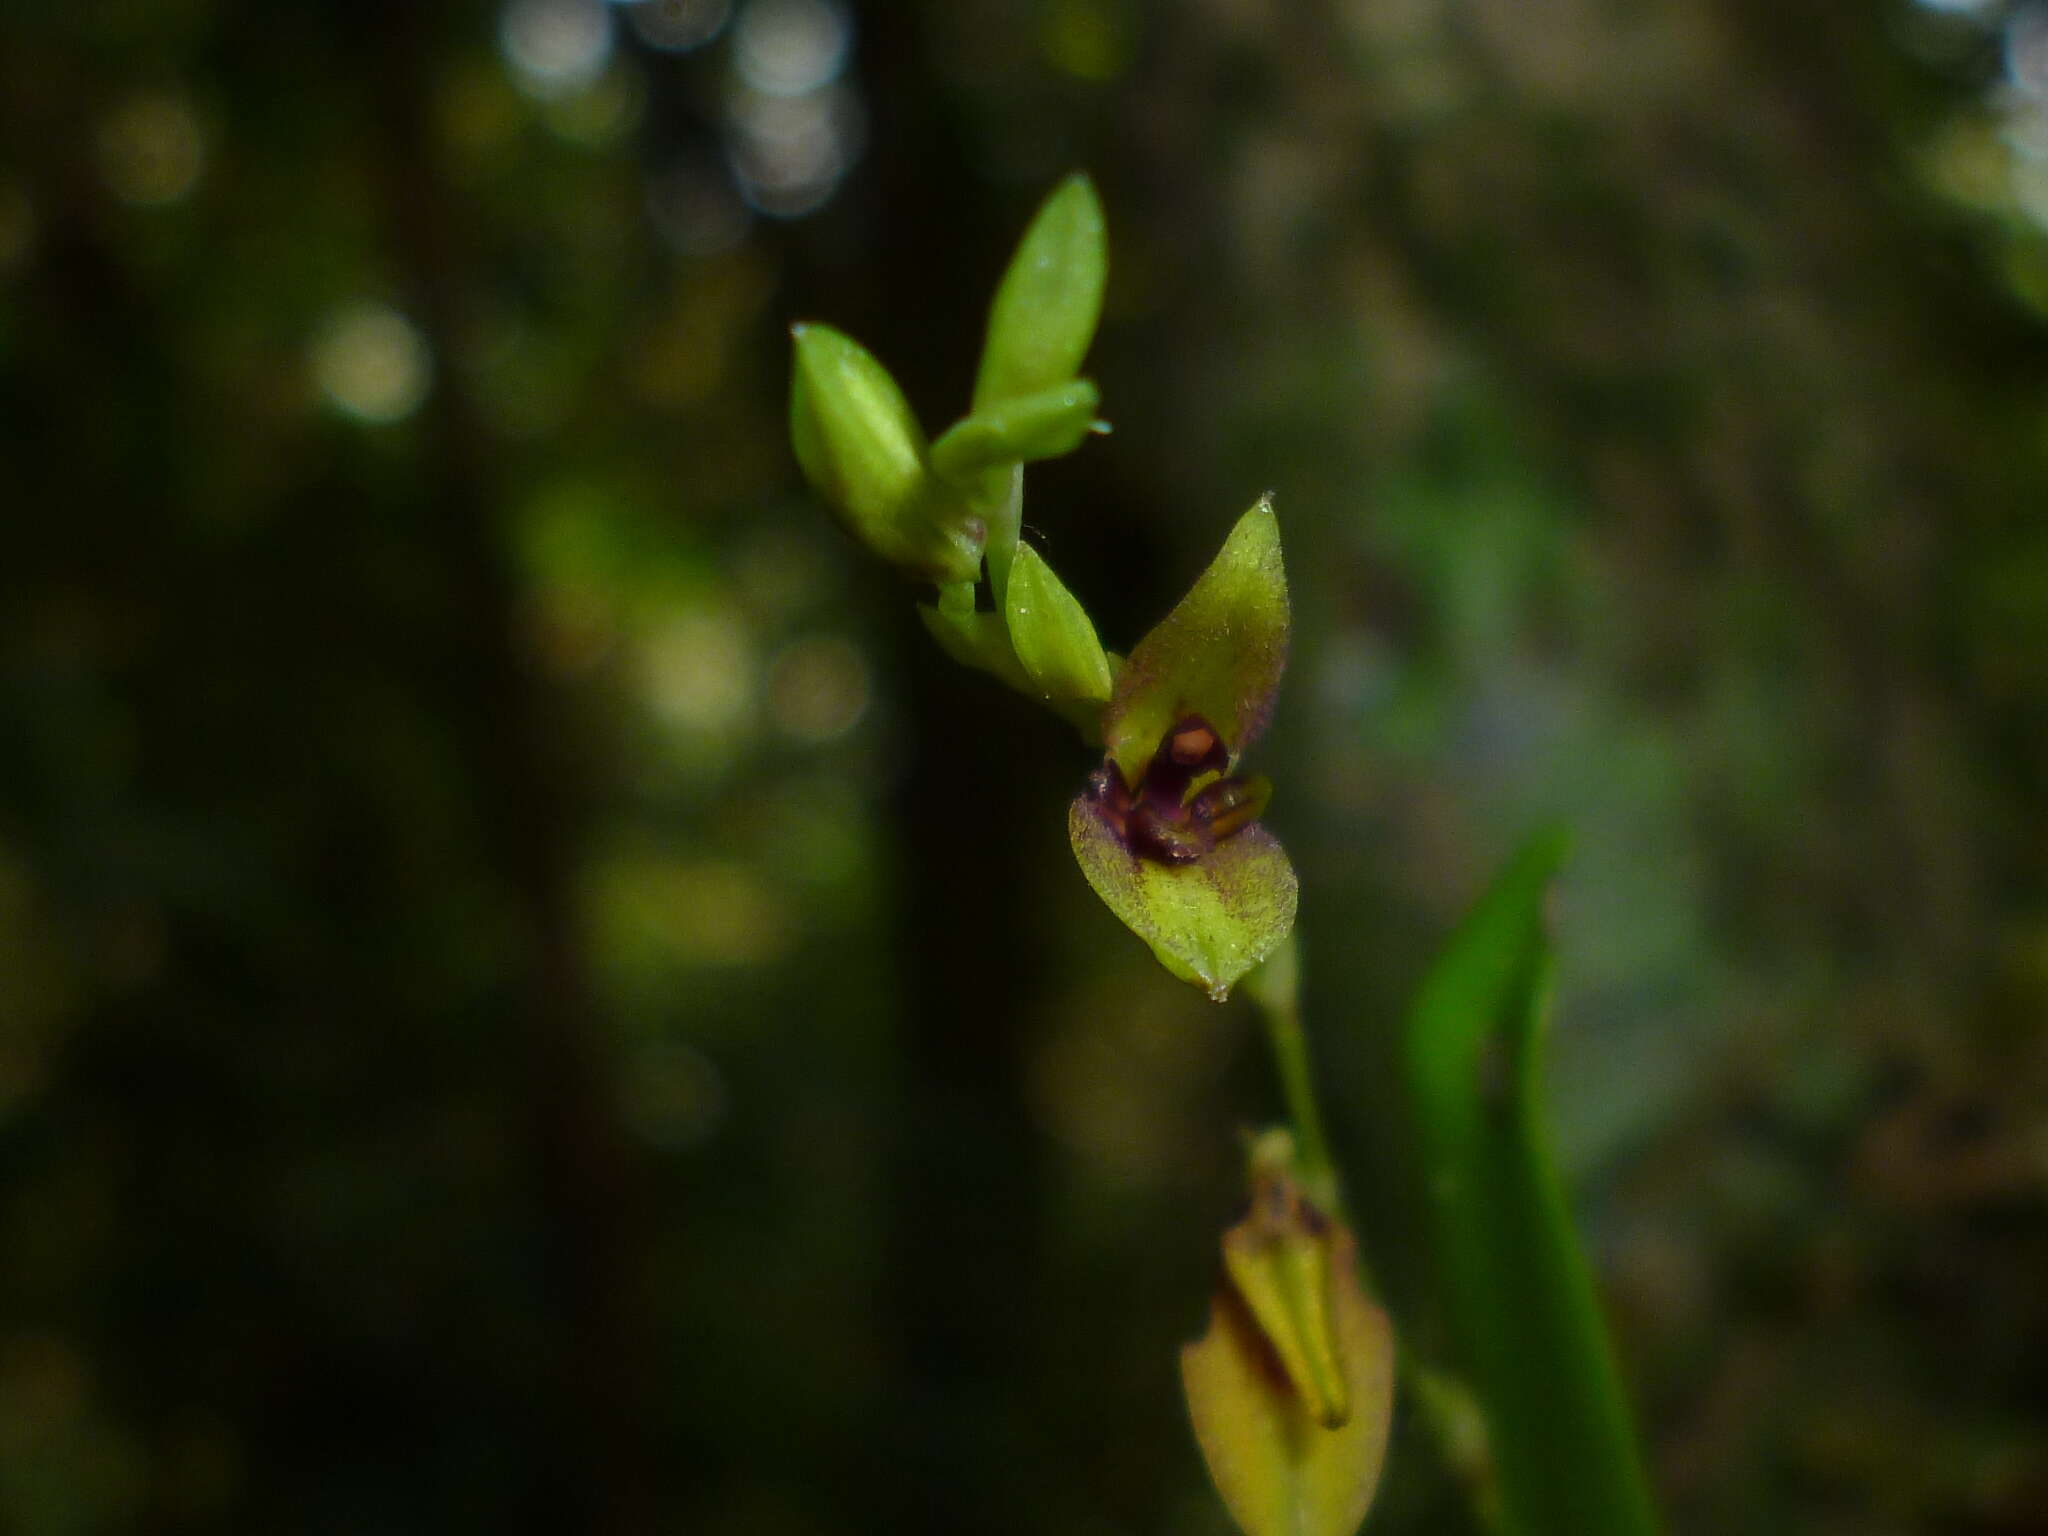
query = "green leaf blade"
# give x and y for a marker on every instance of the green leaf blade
(1520, 1298)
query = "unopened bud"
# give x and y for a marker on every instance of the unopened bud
(1051, 632)
(1291, 1389)
(1045, 311)
(1279, 1257)
(864, 453)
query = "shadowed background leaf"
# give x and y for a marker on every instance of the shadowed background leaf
(1514, 1290)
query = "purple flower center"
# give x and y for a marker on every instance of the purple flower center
(1185, 804)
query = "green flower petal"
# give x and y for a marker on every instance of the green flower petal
(1218, 655)
(1209, 920)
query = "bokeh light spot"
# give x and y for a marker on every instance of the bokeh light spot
(791, 47)
(725, 914)
(152, 150)
(697, 912)
(2026, 49)
(555, 47)
(657, 919)
(699, 669)
(372, 364)
(818, 689)
(790, 151)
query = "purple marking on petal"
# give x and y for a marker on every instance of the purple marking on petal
(1167, 818)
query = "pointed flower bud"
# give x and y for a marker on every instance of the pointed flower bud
(1051, 632)
(1167, 832)
(1045, 311)
(1291, 1389)
(1278, 1257)
(864, 453)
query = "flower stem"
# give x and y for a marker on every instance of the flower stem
(1275, 988)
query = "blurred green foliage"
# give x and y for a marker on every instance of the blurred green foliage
(1509, 1289)
(529, 998)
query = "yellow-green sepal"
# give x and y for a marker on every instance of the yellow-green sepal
(1207, 921)
(1218, 655)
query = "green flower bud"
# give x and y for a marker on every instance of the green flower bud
(864, 453)
(1045, 311)
(1279, 1260)
(1015, 431)
(1051, 632)
(1295, 1451)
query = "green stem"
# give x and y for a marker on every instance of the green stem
(1004, 514)
(1275, 988)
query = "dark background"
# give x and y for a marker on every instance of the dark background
(531, 998)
